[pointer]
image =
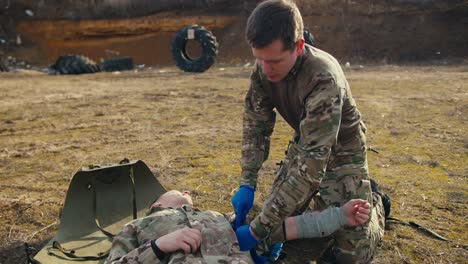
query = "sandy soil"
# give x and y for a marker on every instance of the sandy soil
(187, 129)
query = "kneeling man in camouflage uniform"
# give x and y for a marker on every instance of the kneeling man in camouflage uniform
(327, 153)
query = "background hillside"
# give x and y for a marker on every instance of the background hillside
(383, 31)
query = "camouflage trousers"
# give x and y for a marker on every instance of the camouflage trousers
(345, 178)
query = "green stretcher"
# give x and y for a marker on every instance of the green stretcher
(99, 202)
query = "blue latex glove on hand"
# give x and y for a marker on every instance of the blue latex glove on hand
(246, 240)
(256, 258)
(242, 202)
(273, 256)
(275, 251)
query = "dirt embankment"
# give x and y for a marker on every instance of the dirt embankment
(146, 39)
(378, 30)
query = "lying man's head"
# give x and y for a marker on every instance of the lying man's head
(174, 199)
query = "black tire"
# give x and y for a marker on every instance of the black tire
(309, 38)
(3, 67)
(75, 64)
(117, 64)
(207, 42)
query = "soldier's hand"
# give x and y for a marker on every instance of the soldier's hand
(272, 256)
(187, 239)
(356, 212)
(242, 202)
(246, 238)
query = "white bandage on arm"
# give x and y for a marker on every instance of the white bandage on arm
(320, 224)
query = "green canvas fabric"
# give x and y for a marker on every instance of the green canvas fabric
(114, 190)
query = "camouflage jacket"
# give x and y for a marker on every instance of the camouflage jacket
(316, 101)
(219, 242)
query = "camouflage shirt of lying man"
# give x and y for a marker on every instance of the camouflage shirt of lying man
(219, 242)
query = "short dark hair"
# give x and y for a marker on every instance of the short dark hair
(274, 19)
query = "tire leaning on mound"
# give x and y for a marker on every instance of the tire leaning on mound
(75, 64)
(207, 42)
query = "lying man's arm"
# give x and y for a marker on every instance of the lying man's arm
(321, 224)
(125, 247)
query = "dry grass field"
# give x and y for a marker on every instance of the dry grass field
(187, 129)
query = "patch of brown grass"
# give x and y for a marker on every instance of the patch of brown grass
(187, 129)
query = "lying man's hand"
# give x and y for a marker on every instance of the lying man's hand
(187, 239)
(356, 212)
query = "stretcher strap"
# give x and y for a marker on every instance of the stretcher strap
(421, 228)
(71, 253)
(134, 212)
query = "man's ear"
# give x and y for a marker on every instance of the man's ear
(299, 46)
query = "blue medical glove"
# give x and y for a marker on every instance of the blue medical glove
(273, 255)
(256, 258)
(275, 251)
(246, 240)
(242, 202)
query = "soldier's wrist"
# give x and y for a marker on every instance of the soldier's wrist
(157, 251)
(249, 181)
(258, 230)
(278, 234)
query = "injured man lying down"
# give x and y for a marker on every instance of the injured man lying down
(174, 232)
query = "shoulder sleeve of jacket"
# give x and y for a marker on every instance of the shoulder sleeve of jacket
(320, 125)
(258, 124)
(126, 248)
